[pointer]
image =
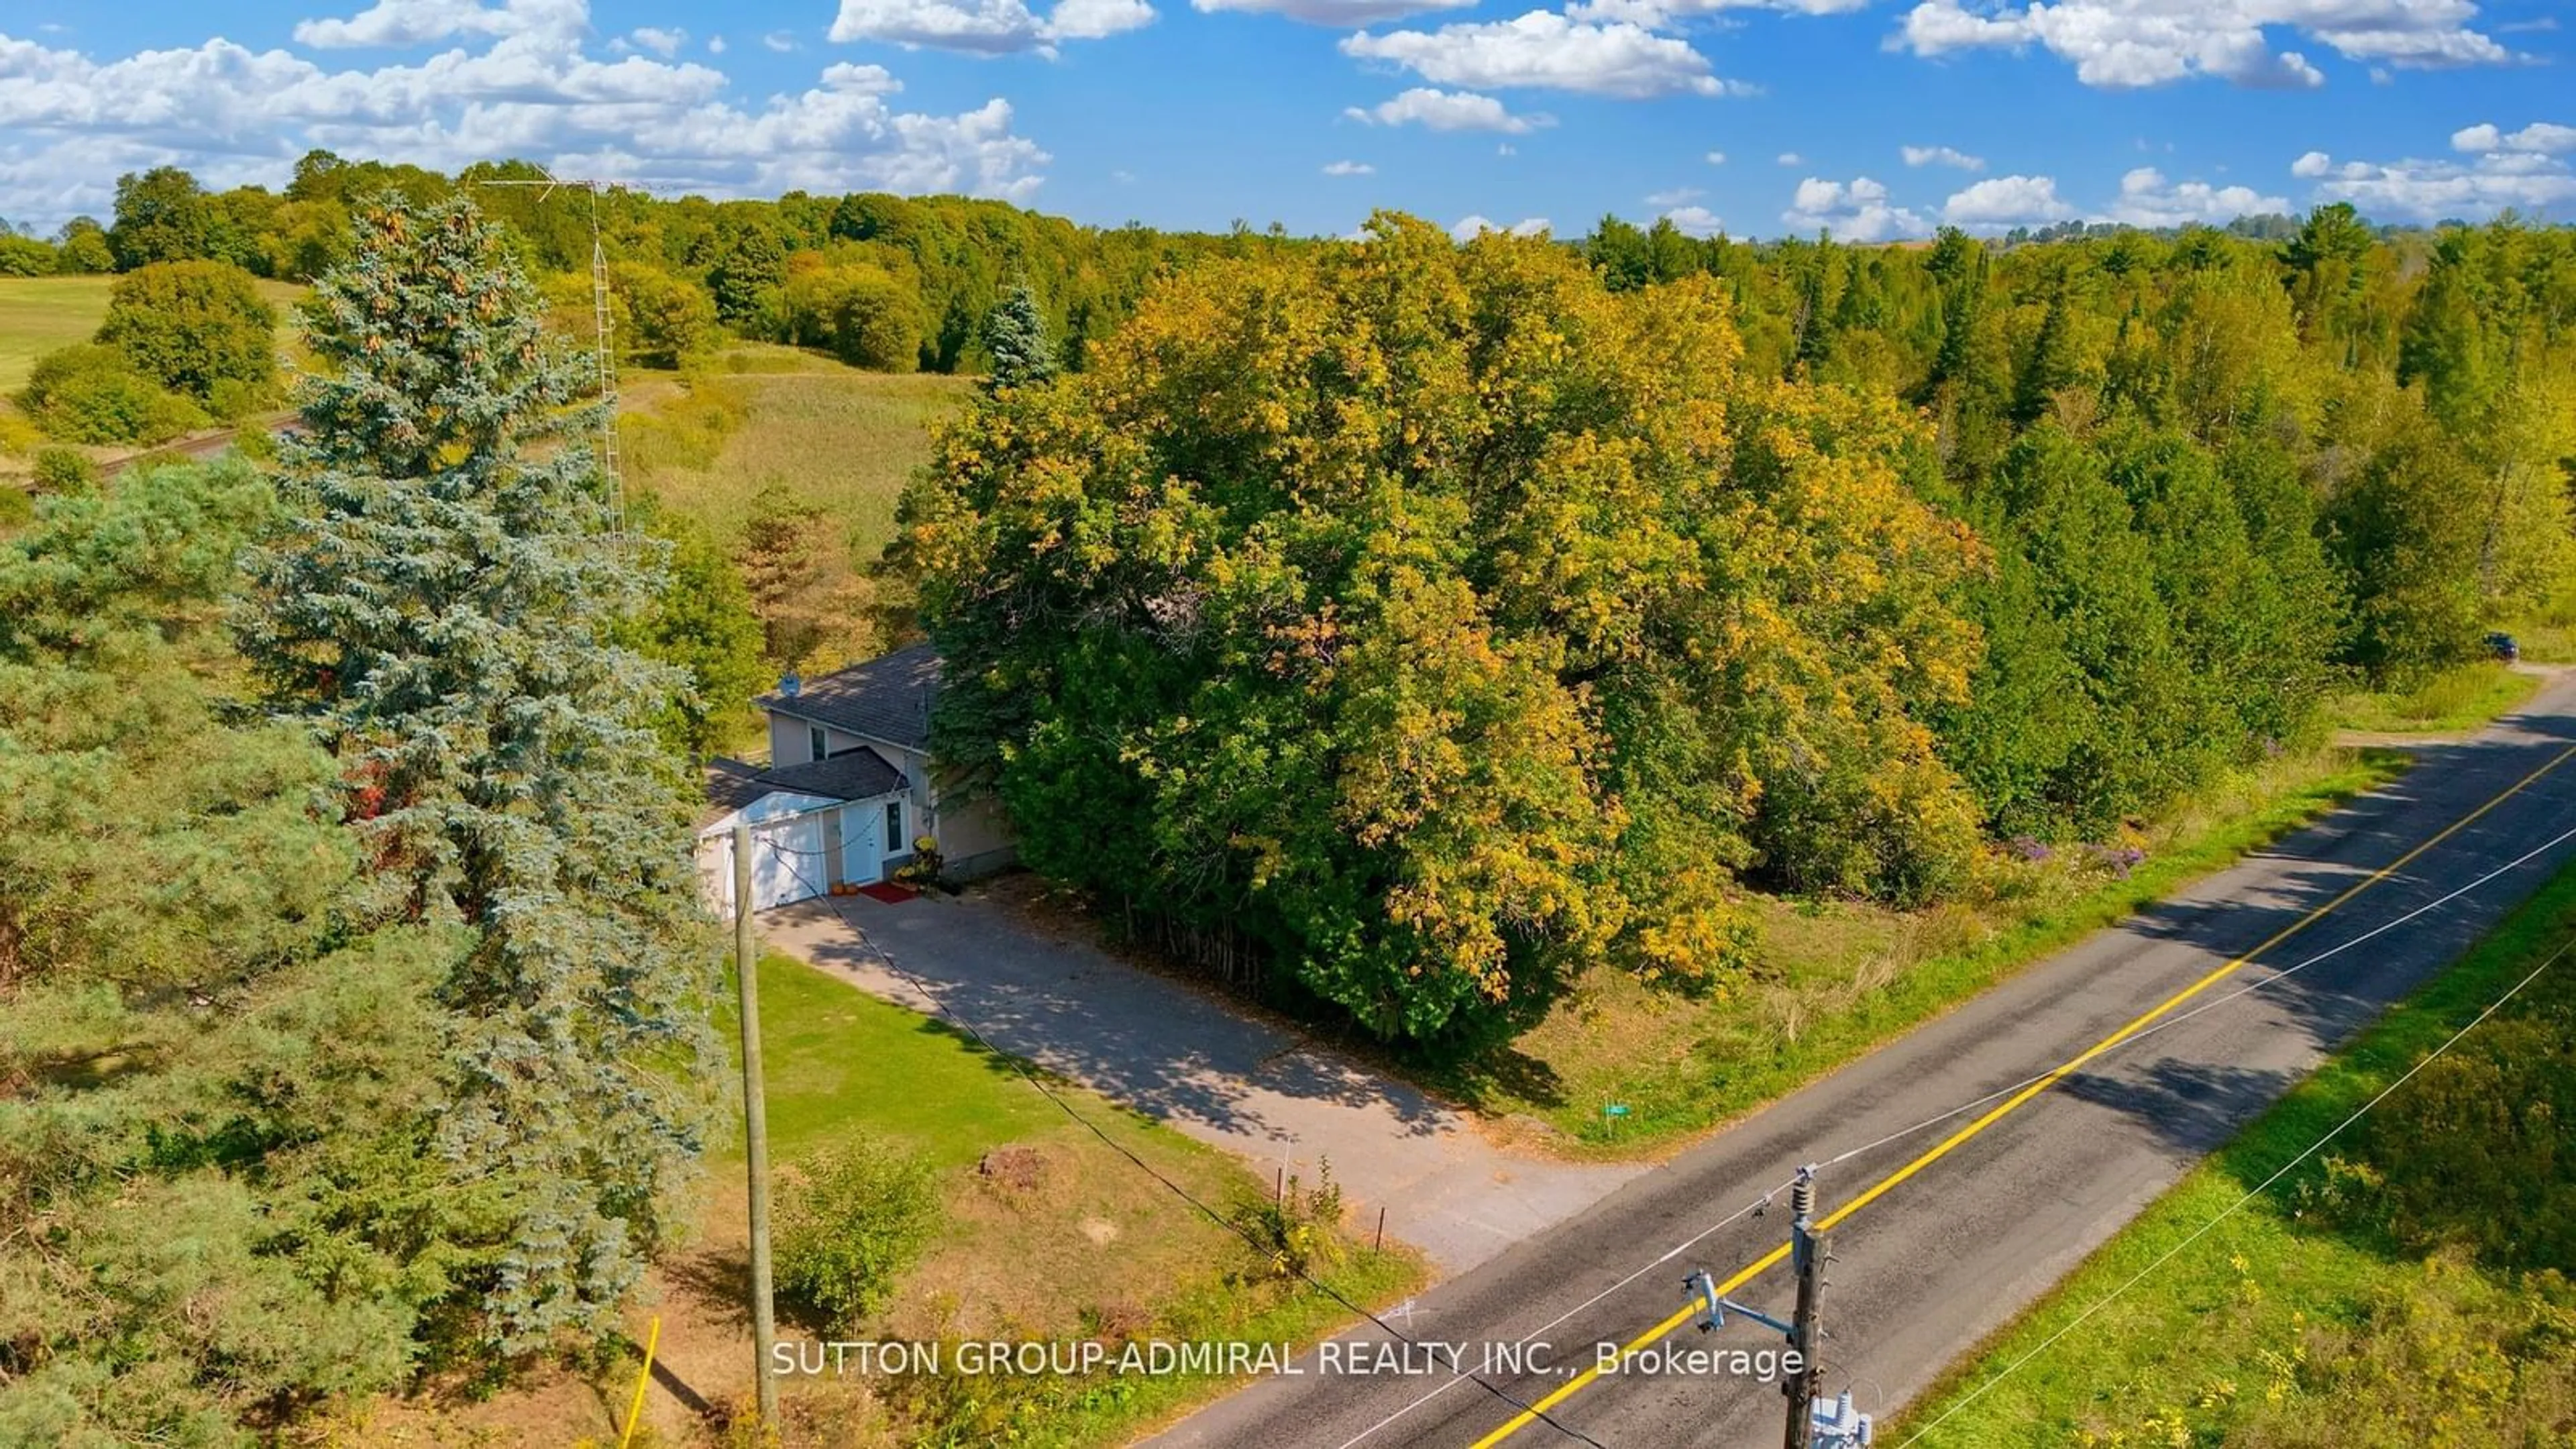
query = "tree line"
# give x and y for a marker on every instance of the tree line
(884, 281)
(1414, 626)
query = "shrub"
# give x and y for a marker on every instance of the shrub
(193, 325)
(60, 470)
(668, 320)
(861, 315)
(17, 508)
(1298, 1230)
(850, 1220)
(24, 256)
(87, 393)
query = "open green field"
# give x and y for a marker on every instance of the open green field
(39, 314)
(1837, 978)
(2406, 1285)
(708, 443)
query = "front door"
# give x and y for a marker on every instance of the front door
(863, 843)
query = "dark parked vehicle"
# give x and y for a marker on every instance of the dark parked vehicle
(2503, 647)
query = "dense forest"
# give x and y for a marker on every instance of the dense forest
(1407, 625)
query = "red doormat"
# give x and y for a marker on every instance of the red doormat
(888, 892)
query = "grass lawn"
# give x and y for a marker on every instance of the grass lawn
(2460, 698)
(1839, 978)
(1088, 1246)
(2292, 1321)
(773, 417)
(39, 314)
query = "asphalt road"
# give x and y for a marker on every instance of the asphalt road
(1957, 1245)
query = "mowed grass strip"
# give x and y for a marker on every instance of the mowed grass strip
(2460, 698)
(1837, 979)
(2282, 1325)
(1070, 1241)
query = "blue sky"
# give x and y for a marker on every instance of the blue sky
(1871, 120)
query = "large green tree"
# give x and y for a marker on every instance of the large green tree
(219, 1079)
(1434, 623)
(439, 600)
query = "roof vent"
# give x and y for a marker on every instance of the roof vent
(788, 684)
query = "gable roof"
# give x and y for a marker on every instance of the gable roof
(886, 698)
(851, 775)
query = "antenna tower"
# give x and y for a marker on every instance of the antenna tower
(604, 323)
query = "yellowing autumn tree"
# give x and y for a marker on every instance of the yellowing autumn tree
(1420, 624)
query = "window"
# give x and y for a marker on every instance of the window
(817, 743)
(895, 844)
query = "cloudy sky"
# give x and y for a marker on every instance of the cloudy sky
(1868, 118)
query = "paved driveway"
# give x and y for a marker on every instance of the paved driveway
(1258, 1089)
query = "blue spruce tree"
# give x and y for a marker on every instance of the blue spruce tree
(441, 600)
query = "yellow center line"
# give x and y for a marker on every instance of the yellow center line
(1951, 1143)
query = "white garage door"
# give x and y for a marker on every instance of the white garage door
(787, 863)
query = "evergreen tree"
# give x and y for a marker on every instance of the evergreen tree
(1015, 333)
(438, 601)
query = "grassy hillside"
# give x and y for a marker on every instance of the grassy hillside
(706, 445)
(2404, 1285)
(39, 314)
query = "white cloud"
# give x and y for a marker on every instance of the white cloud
(1544, 49)
(1674, 197)
(395, 24)
(661, 42)
(2525, 179)
(1469, 227)
(1716, 158)
(716, 45)
(1790, 158)
(2540, 138)
(1941, 156)
(1439, 110)
(985, 27)
(1854, 211)
(2002, 202)
(1334, 12)
(780, 41)
(70, 123)
(1695, 221)
(1349, 168)
(2147, 199)
(2129, 43)
(1505, 149)
(1657, 14)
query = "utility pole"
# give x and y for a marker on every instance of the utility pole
(1838, 1423)
(755, 1128)
(1807, 1255)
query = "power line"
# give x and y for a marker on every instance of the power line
(2256, 1191)
(2214, 1003)
(1666, 1257)
(1184, 1194)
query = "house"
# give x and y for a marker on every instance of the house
(848, 789)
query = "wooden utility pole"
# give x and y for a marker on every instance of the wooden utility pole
(1807, 1254)
(755, 1128)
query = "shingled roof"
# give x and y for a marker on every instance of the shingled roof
(853, 775)
(887, 698)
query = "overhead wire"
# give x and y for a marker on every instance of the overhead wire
(2284, 1170)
